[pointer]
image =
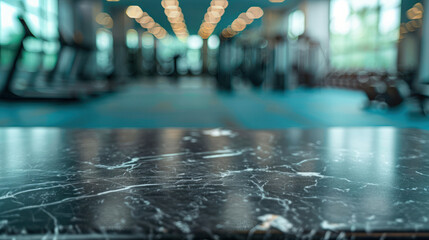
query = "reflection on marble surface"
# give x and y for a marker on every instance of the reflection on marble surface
(214, 184)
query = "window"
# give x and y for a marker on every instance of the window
(170, 47)
(104, 41)
(364, 33)
(132, 39)
(10, 31)
(296, 24)
(213, 42)
(42, 18)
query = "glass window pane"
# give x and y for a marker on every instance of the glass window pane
(132, 39)
(195, 42)
(51, 28)
(364, 33)
(340, 14)
(10, 27)
(52, 6)
(390, 3)
(213, 42)
(104, 42)
(42, 19)
(340, 9)
(296, 24)
(358, 5)
(389, 21)
(32, 4)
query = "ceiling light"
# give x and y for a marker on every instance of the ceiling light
(175, 16)
(146, 21)
(255, 12)
(134, 12)
(241, 22)
(212, 17)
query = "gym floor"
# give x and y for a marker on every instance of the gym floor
(194, 103)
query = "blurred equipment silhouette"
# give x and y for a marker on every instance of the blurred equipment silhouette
(72, 50)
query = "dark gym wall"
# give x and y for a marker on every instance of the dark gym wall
(122, 24)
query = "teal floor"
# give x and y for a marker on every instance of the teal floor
(200, 106)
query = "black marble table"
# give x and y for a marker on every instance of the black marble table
(214, 184)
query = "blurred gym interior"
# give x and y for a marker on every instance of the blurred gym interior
(238, 64)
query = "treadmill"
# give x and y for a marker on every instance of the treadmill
(8, 92)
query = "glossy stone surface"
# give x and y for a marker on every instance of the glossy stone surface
(214, 184)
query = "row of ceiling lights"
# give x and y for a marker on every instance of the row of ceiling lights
(241, 22)
(146, 21)
(212, 17)
(175, 17)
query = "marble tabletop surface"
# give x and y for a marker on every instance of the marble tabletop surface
(213, 184)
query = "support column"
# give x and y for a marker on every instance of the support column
(120, 52)
(424, 60)
(205, 56)
(85, 32)
(140, 53)
(155, 57)
(317, 26)
(409, 46)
